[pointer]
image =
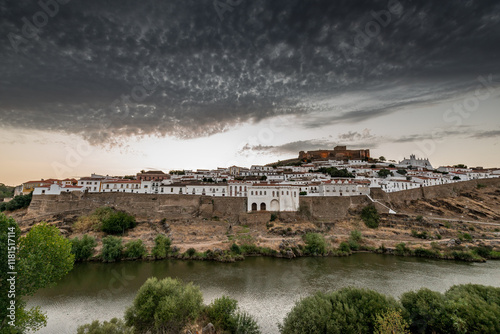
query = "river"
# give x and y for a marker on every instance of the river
(264, 287)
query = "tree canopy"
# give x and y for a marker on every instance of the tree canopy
(43, 257)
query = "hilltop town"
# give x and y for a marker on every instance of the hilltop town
(276, 187)
(274, 205)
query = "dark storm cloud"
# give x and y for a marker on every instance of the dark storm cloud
(486, 134)
(109, 68)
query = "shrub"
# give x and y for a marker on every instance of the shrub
(111, 248)
(162, 247)
(420, 218)
(315, 243)
(116, 222)
(421, 235)
(344, 247)
(473, 308)
(382, 249)
(466, 256)
(349, 310)
(87, 223)
(356, 235)
(465, 236)
(354, 240)
(274, 216)
(353, 245)
(483, 251)
(424, 310)
(370, 216)
(422, 252)
(401, 249)
(235, 249)
(164, 306)
(462, 309)
(84, 248)
(114, 326)
(246, 324)
(221, 313)
(135, 249)
(391, 321)
(18, 202)
(249, 249)
(191, 252)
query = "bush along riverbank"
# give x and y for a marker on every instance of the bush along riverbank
(313, 244)
(171, 306)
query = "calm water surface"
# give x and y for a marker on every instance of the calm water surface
(265, 287)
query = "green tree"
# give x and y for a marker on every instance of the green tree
(6, 191)
(349, 310)
(114, 326)
(354, 240)
(370, 216)
(18, 202)
(83, 249)
(384, 173)
(235, 248)
(164, 306)
(381, 158)
(402, 171)
(43, 257)
(424, 310)
(221, 313)
(224, 315)
(112, 248)
(473, 308)
(116, 222)
(162, 247)
(334, 172)
(315, 243)
(391, 322)
(135, 249)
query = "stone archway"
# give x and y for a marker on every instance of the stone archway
(275, 205)
(262, 206)
(254, 206)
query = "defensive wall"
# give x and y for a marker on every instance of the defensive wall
(400, 199)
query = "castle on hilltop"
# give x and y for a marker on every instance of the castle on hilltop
(338, 153)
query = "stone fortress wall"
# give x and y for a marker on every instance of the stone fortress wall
(232, 209)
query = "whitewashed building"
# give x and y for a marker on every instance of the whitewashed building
(344, 187)
(207, 189)
(56, 189)
(91, 184)
(121, 185)
(415, 163)
(273, 197)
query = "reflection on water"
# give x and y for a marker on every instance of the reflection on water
(265, 287)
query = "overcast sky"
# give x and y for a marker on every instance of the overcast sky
(114, 87)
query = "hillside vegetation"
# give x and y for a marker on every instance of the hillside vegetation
(6, 191)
